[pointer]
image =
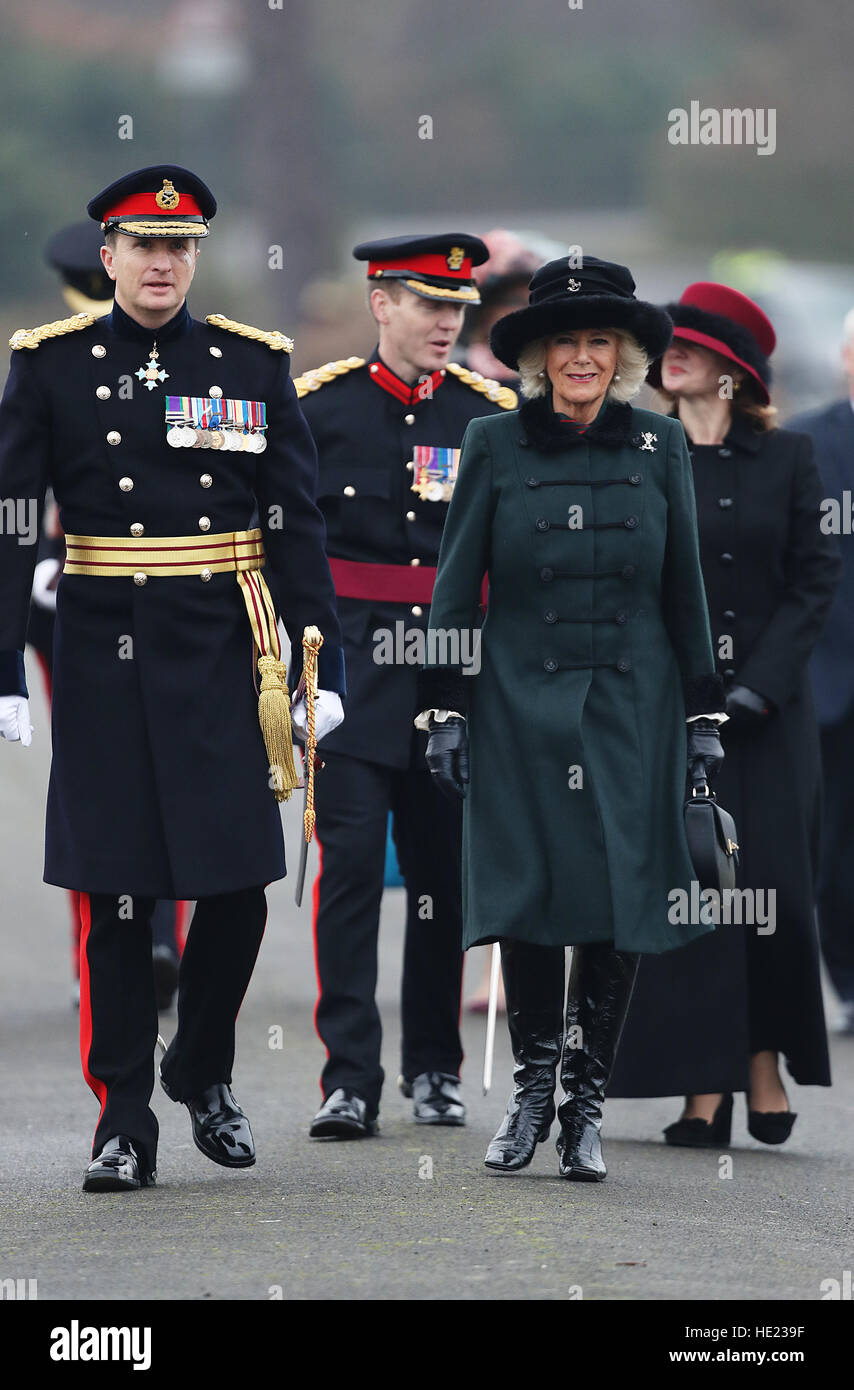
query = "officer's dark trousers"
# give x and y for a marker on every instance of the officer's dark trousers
(353, 799)
(118, 1010)
(836, 877)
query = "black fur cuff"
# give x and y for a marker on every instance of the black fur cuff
(444, 687)
(705, 695)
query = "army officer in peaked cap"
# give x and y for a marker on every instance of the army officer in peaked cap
(388, 433)
(164, 783)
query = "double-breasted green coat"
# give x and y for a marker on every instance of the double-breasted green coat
(595, 645)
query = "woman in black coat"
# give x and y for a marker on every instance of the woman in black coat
(713, 1018)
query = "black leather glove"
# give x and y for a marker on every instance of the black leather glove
(448, 756)
(705, 753)
(746, 708)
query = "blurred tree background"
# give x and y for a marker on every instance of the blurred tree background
(305, 120)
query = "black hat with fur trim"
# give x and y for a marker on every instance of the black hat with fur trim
(599, 294)
(726, 322)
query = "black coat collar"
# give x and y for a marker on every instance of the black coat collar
(125, 327)
(545, 431)
(741, 435)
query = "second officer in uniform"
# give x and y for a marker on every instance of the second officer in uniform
(388, 433)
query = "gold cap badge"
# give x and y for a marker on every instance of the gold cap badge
(455, 257)
(167, 198)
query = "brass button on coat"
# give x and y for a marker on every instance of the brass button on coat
(410, 516)
(215, 392)
(126, 484)
(417, 610)
(215, 351)
(550, 665)
(137, 529)
(206, 575)
(349, 491)
(99, 350)
(140, 578)
(103, 393)
(415, 562)
(204, 523)
(206, 480)
(114, 437)
(409, 419)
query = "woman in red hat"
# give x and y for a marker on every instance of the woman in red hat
(714, 1018)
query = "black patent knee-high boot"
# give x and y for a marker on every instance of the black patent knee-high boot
(600, 987)
(533, 987)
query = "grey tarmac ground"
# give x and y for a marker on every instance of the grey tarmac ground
(412, 1214)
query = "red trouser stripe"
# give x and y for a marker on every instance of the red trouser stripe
(94, 1084)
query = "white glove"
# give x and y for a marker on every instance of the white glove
(15, 719)
(44, 586)
(328, 714)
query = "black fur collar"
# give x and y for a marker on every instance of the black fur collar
(543, 429)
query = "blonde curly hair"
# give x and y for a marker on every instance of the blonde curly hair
(632, 367)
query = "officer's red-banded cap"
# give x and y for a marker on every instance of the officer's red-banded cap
(161, 200)
(438, 266)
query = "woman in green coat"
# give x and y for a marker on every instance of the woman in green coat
(572, 712)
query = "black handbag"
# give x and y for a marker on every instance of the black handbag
(712, 839)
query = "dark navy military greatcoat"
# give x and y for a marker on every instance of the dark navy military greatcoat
(160, 784)
(367, 435)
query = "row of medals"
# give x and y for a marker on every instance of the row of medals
(233, 441)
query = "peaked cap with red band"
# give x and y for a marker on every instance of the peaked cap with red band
(727, 322)
(162, 200)
(434, 267)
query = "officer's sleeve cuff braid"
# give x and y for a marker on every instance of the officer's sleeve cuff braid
(443, 687)
(704, 695)
(12, 678)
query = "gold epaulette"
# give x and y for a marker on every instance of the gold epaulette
(318, 376)
(279, 342)
(31, 337)
(501, 395)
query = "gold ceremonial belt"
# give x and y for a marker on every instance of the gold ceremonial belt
(127, 556)
(240, 552)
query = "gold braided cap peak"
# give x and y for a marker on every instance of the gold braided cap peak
(319, 376)
(31, 337)
(501, 395)
(279, 342)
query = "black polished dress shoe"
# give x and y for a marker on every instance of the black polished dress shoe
(436, 1097)
(702, 1134)
(117, 1168)
(343, 1115)
(165, 963)
(220, 1128)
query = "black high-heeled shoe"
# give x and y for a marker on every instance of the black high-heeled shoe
(703, 1134)
(770, 1126)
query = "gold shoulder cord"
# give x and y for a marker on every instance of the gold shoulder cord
(279, 342)
(319, 376)
(31, 337)
(312, 641)
(501, 395)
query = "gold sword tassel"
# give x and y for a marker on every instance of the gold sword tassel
(312, 641)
